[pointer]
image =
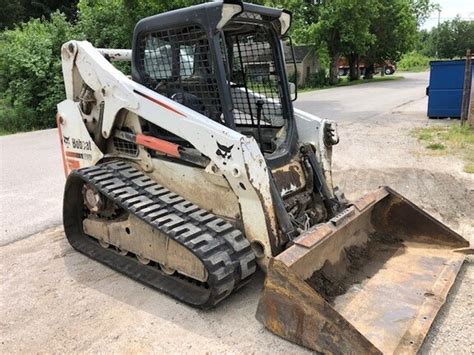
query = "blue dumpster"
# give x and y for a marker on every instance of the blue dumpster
(445, 88)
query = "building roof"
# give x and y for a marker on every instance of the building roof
(300, 53)
(260, 53)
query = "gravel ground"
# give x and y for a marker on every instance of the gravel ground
(435, 183)
(60, 301)
(55, 300)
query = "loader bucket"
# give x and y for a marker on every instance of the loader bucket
(371, 280)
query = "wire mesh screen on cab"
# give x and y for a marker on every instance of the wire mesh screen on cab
(177, 63)
(254, 78)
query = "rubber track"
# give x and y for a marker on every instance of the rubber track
(224, 251)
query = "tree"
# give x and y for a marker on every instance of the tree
(110, 23)
(395, 31)
(44, 8)
(305, 14)
(343, 28)
(422, 10)
(16, 11)
(31, 82)
(454, 37)
(425, 43)
(12, 12)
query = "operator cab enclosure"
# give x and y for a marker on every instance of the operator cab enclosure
(225, 61)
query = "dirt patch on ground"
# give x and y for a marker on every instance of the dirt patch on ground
(60, 301)
(446, 196)
(442, 190)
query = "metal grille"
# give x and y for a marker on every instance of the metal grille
(125, 147)
(177, 63)
(254, 78)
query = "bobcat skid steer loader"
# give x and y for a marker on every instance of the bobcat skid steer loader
(197, 168)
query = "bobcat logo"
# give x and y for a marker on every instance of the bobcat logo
(66, 140)
(224, 152)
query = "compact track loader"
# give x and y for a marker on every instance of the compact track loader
(197, 168)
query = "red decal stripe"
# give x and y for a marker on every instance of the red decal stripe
(159, 145)
(58, 122)
(73, 164)
(74, 155)
(168, 107)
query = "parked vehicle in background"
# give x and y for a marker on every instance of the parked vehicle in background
(388, 68)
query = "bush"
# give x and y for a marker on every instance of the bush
(414, 61)
(31, 81)
(294, 77)
(110, 23)
(104, 15)
(318, 79)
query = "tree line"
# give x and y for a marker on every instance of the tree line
(33, 31)
(450, 40)
(377, 30)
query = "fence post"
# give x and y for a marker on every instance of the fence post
(471, 106)
(466, 88)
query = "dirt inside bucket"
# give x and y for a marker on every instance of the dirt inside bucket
(333, 280)
(388, 284)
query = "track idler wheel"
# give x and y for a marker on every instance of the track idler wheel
(122, 252)
(142, 260)
(167, 270)
(103, 244)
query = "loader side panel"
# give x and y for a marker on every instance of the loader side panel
(78, 149)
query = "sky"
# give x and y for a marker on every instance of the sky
(449, 9)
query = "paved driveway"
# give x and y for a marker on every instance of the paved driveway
(366, 101)
(31, 184)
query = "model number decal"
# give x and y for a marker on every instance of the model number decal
(80, 144)
(77, 143)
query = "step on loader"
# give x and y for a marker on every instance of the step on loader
(193, 168)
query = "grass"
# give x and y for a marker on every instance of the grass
(346, 82)
(4, 133)
(424, 136)
(469, 168)
(436, 146)
(414, 69)
(453, 139)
